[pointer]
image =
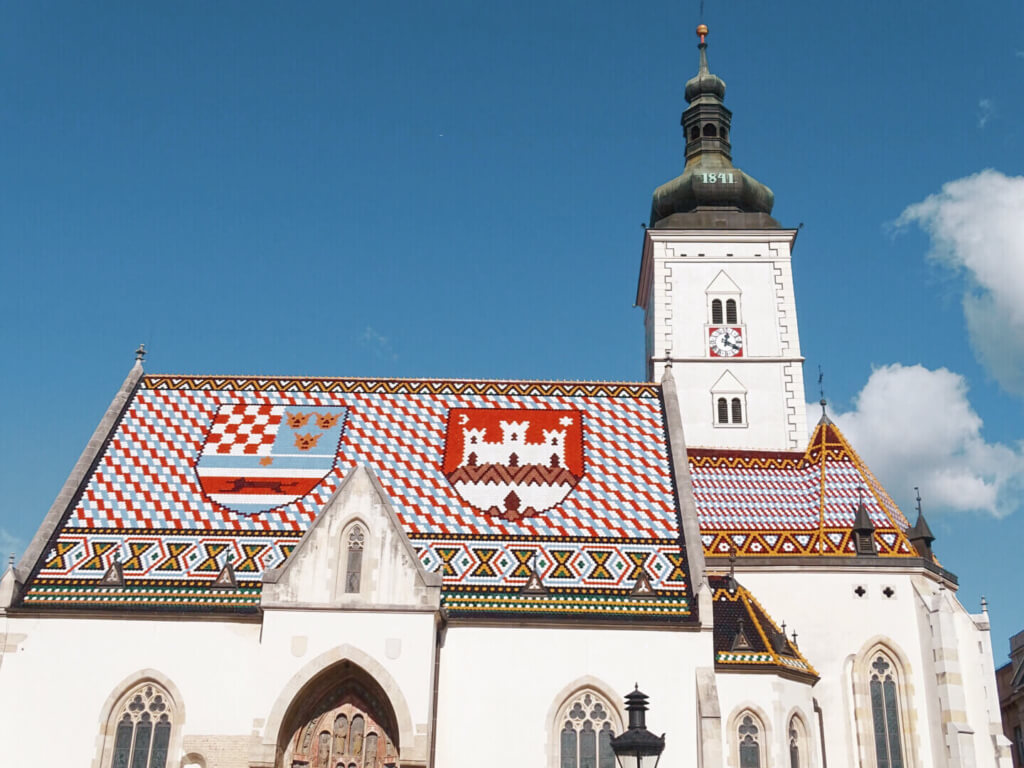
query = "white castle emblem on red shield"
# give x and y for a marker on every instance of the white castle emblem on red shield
(514, 463)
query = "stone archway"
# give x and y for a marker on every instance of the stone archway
(343, 720)
(343, 681)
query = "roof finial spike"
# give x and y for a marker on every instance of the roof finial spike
(10, 562)
(984, 604)
(140, 353)
(702, 32)
(918, 492)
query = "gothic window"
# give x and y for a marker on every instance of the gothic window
(885, 713)
(737, 411)
(748, 738)
(716, 311)
(143, 733)
(585, 738)
(723, 410)
(797, 743)
(731, 316)
(354, 561)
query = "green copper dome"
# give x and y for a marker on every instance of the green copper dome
(711, 193)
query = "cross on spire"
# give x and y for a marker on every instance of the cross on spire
(140, 353)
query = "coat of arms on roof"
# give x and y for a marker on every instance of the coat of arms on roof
(260, 457)
(514, 463)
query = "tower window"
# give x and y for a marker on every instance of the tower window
(731, 316)
(716, 311)
(710, 130)
(695, 132)
(737, 411)
(723, 411)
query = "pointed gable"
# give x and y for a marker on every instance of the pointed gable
(722, 284)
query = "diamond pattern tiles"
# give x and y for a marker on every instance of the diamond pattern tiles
(792, 503)
(149, 506)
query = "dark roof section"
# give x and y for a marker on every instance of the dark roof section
(711, 193)
(746, 637)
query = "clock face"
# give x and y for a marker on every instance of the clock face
(726, 342)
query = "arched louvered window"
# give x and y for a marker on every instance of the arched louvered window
(710, 130)
(749, 734)
(354, 561)
(723, 411)
(587, 728)
(695, 132)
(143, 733)
(731, 315)
(716, 311)
(885, 713)
(737, 411)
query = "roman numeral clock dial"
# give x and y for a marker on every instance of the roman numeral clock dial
(726, 342)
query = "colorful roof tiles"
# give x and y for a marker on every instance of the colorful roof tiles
(792, 503)
(576, 477)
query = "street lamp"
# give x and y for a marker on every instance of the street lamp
(637, 747)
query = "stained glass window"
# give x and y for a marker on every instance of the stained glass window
(585, 740)
(749, 733)
(143, 734)
(354, 562)
(885, 714)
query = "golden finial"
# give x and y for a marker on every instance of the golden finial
(702, 31)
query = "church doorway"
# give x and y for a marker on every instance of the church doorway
(342, 719)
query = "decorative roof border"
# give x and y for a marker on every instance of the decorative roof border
(404, 386)
(802, 543)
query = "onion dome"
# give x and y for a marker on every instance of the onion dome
(711, 192)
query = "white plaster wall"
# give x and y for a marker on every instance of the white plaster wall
(834, 625)
(775, 700)
(681, 267)
(228, 675)
(498, 685)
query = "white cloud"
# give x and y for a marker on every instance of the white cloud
(915, 427)
(378, 342)
(985, 111)
(976, 225)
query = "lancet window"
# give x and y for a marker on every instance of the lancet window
(749, 736)
(142, 735)
(354, 559)
(885, 713)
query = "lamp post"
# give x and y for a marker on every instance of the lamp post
(637, 747)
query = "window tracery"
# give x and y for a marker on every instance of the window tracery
(587, 727)
(797, 736)
(885, 713)
(749, 733)
(354, 560)
(143, 733)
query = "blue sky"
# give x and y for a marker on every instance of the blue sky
(457, 189)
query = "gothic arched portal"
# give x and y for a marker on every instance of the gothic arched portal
(341, 719)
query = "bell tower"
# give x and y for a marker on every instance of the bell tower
(716, 287)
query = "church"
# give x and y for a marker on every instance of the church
(248, 572)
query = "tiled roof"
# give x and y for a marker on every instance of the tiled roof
(746, 637)
(792, 503)
(198, 469)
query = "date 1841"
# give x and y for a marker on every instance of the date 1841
(716, 178)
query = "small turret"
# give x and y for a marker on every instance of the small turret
(863, 529)
(920, 535)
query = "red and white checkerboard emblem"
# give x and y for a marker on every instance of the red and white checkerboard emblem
(259, 457)
(514, 463)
